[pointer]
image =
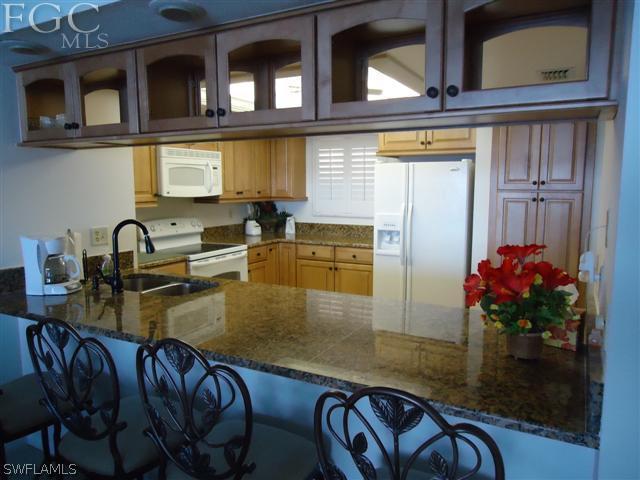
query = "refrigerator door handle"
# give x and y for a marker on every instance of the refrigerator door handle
(408, 253)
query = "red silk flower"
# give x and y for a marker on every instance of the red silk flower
(552, 277)
(521, 252)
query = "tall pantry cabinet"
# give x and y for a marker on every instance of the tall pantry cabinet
(542, 176)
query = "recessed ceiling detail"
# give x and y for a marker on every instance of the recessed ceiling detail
(177, 10)
(23, 47)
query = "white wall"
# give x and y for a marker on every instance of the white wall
(303, 211)
(211, 215)
(46, 191)
(620, 432)
(481, 196)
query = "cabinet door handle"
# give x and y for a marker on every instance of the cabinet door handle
(543, 182)
(429, 142)
(453, 91)
(239, 193)
(353, 256)
(67, 126)
(534, 199)
(330, 268)
(75, 125)
(209, 113)
(432, 92)
(535, 182)
(313, 253)
(335, 268)
(259, 191)
(542, 199)
(221, 112)
(421, 142)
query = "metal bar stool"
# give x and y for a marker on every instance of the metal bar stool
(209, 408)
(368, 426)
(105, 436)
(22, 413)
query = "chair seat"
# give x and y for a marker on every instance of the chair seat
(136, 449)
(20, 408)
(277, 453)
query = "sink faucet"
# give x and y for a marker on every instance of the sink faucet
(115, 280)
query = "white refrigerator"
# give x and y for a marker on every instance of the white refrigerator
(422, 231)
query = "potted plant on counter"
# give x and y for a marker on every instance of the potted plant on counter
(268, 216)
(521, 298)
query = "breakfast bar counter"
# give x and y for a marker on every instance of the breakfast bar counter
(346, 342)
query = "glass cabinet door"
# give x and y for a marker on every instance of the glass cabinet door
(380, 58)
(176, 85)
(46, 103)
(105, 94)
(513, 52)
(266, 73)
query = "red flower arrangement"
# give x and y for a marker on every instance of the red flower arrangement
(519, 296)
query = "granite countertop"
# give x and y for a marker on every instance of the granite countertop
(267, 238)
(346, 342)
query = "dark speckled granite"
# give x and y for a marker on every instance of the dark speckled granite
(348, 341)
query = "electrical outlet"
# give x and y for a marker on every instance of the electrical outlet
(99, 236)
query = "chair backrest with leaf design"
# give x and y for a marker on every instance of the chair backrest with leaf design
(388, 433)
(200, 414)
(79, 380)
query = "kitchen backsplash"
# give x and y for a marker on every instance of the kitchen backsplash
(320, 229)
(12, 279)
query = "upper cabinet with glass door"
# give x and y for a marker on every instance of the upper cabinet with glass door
(514, 52)
(105, 97)
(380, 58)
(45, 98)
(266, 73)
(176, 85)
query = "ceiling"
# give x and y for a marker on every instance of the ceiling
(119, 22)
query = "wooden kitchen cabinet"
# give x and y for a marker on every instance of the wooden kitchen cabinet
(542, 156)
(352, 278)
(174, 268)
(446, 141)
(315, 274)
(543, 175)
(515, 220)
(246, 170)
(263, 264)
(105, 96)
(258, 272)
(558, 227)
(45, 103)
(339, 269)
(509, 52)
(288, 168)
(287, 264)
(177, 85)
(145, 176)
(360, 45)
(277, 59)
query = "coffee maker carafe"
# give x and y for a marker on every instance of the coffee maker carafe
(48, 269)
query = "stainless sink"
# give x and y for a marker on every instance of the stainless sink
(151, 285)
(177, 289)
(140, 284)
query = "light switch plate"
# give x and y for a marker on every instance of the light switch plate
(99, 236)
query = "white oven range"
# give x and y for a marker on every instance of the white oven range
(183, 236)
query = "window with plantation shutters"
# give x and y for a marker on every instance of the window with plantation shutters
(343, 175)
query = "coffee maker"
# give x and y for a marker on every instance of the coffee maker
(48, 269)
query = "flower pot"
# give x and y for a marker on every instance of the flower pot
(525, 346)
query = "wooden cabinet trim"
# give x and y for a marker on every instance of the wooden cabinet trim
(175, 268)
(342, 284)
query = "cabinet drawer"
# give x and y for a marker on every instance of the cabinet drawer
(257, 254)
(315, 252)
(354, 255)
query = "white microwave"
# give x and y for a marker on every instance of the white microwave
(185, 172)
